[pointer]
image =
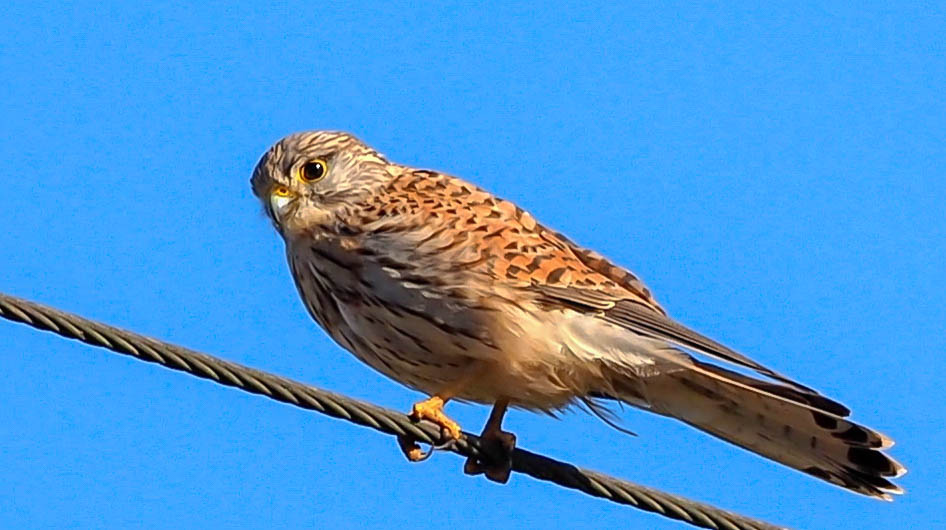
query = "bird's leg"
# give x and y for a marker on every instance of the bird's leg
(431, 409)
(501, 442)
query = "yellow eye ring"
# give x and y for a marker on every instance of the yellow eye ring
(313, 170)
(281, 191)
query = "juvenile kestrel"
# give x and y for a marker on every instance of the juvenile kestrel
(459, 294)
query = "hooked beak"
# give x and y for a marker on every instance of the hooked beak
(280, 199)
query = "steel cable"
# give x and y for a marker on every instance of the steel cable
(362, 413)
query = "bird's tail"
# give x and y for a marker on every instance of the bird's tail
(798, 428)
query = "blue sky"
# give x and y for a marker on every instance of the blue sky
(775, 175)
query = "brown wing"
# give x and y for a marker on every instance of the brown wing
(511, 247)
(636, 309)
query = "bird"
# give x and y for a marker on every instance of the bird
(461, 295)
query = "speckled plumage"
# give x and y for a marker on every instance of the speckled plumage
(450, 290)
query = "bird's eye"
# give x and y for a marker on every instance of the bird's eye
(314, 170)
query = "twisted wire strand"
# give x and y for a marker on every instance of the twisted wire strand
(365, 414)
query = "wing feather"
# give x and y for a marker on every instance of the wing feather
(631, 314)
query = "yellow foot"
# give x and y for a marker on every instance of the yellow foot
(411, 450)
(501, 444)
(432, 410)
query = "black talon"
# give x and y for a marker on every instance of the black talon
(444, 446)
(412, 450)
(425, 456)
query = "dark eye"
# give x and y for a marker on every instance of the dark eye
(313, 170)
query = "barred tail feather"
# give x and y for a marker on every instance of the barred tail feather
(802, 430)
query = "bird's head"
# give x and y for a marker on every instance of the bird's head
(306, 178)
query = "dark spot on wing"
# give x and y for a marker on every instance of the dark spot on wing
(824, 421)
